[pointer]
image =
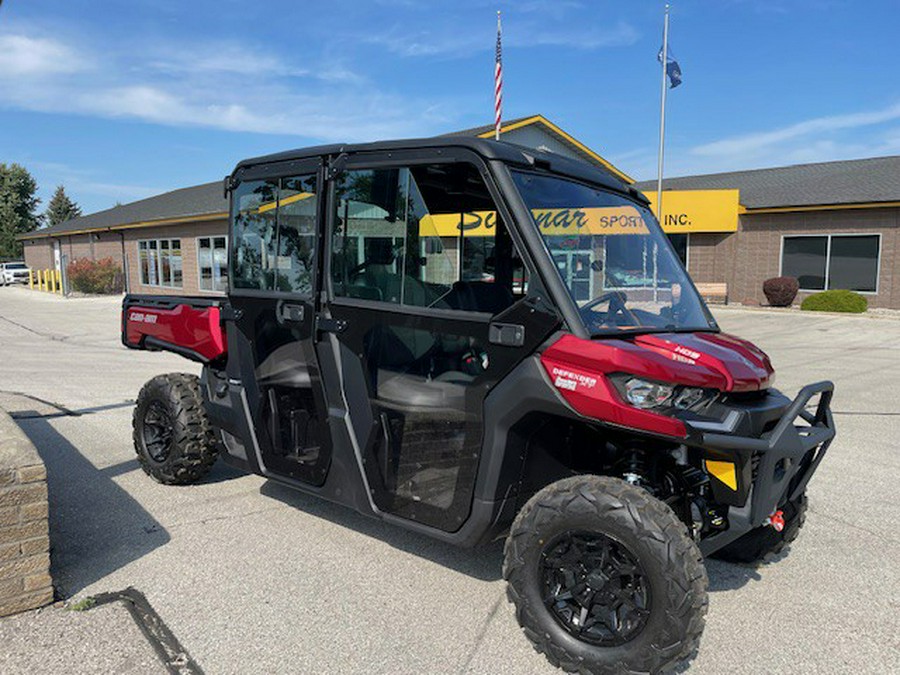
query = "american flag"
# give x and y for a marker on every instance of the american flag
(498, 84)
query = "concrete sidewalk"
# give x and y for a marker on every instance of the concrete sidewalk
(63, 642)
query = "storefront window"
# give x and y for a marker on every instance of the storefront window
(832, 261)
(680, 244)
(160, 262)
(854, 263)
(212, 258)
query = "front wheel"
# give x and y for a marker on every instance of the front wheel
(605, 578)
(172, 436)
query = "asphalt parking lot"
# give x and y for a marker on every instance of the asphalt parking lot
(253, 577)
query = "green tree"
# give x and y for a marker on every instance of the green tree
(61, 208)
(18, 208)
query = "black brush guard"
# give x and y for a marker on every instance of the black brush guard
(788, 456)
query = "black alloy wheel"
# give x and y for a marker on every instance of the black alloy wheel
(595, 588)
(157, 431)
(605, 578)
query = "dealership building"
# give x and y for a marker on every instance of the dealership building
(831, 225)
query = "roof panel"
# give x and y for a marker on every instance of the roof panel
(857, 181)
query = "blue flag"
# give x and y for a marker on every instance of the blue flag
(673, 70)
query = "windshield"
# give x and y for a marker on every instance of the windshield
(617, 264)
(16, 266)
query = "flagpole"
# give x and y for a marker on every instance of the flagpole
(662, 117)
(498, 85)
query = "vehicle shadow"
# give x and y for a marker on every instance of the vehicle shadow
(484, 563)
(724, 576)
(96, 527)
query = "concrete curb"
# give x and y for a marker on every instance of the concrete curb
(25, 581)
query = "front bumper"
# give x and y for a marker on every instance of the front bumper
(773, 468)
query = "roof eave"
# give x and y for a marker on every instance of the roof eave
(194, 218)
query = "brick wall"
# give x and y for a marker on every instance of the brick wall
(746, 258)
(25, 581)
(188, 234)
(39, 254)
(758, 248)
(709, 256)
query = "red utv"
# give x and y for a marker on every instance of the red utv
(474, 340)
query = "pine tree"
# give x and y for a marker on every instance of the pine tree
(61, 208)
(18, 208)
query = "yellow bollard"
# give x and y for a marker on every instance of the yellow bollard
(59, 288)
(31, 279)
(40, 280)
(53, 281)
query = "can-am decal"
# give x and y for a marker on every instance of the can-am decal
(139, 317)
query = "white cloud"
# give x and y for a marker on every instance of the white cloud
(458, 41)
(221, 57)
(765, 142)
(26, 56)
(84, 187)
(822, 139)
(215, 85)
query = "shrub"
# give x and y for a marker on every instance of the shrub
(781, 291)
(835, 301)
(95, 276)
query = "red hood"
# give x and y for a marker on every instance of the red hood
(714, 360)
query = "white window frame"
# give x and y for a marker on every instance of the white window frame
(158, 250)
(227, 262)
(828, 236)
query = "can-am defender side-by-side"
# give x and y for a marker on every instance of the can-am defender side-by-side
(474, 340)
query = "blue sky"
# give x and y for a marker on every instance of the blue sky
(122, 99)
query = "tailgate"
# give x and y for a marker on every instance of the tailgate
(191, 327)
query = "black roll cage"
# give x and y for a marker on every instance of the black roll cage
(493, 160)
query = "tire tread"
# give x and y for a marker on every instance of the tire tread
(195, 448)
(651, 520)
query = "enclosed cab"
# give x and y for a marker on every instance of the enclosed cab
(473, 340)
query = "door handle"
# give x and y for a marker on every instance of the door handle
(506, 334)
(289, 312)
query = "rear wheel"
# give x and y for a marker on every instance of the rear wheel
(764, 543)
(172, 436)
(605, 578)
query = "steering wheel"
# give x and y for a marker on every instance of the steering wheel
(617, 308)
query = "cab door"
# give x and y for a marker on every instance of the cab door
(276, 223)
(427, 309)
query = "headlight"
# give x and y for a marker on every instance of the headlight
(645, 394)
(690, 397)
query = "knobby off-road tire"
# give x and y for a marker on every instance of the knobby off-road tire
(762, 544)
(173, 439)
(672, 570)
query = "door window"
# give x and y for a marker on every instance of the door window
(274, 234)
(424, 236)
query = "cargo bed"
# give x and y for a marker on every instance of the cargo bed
(188, 326)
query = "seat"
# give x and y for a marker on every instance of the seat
(284, 367)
